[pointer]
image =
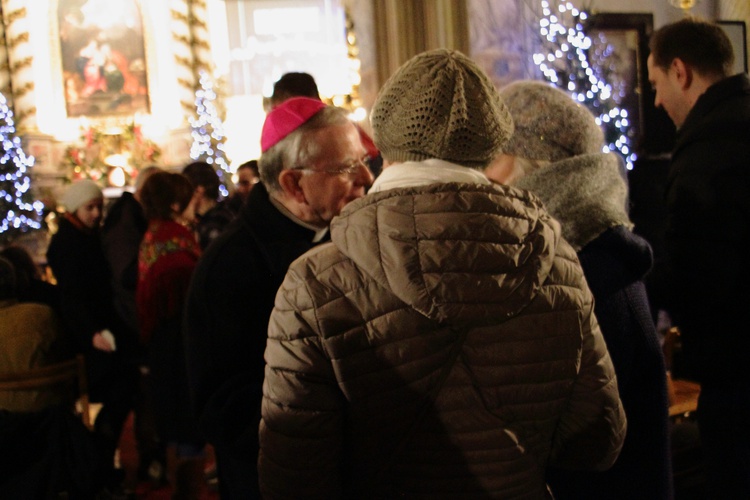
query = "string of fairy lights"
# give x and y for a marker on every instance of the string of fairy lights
(22, 213)
(208, 132)
(571, 61)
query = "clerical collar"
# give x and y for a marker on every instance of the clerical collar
(319, 233)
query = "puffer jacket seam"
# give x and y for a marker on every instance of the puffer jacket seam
(416, 246)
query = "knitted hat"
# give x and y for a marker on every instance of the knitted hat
(286, 118)
(79, 193)
(550, 125)
(440, 104)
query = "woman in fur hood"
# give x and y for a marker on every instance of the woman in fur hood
(556, 153)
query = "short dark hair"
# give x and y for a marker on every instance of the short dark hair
(26, 269)
(252, 165)
(161, 190)
(700, 44)
(294, 85)
(8, 286)
(202, 174)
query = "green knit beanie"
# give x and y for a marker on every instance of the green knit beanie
(440, 104)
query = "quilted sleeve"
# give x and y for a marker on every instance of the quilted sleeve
(592, 428)
(301, 431)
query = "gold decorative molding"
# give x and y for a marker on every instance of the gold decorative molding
(23, 63)
(179, 16)
(23, 114)
(15, 15)
(23, 89)
(186, 83)
(23, 37)
(192, 42)
(183, 61)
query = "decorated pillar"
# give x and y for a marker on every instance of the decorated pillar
(192, 51)
(16, 72)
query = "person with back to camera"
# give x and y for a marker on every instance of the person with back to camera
(311, 166)
(78, 263)
(47, 451)
(556, 153)
(32, 287)
(30, 337)
(122, 232)
(708, 234)
(444, 343)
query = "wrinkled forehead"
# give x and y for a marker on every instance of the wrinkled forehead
(332, 142)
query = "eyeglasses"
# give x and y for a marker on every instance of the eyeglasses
(352, 169)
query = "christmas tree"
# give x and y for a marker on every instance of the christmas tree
(208, 133)
(569, 60)
(19, 212)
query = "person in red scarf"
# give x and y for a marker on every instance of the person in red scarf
(166, 260)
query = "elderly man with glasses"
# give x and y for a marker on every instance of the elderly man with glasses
(312, 164)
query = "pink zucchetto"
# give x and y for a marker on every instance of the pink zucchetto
(286, 118)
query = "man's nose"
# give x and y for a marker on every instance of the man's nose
(364, 176)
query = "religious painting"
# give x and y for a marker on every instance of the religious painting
(103, 57)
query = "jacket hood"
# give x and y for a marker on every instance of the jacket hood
(458, 253)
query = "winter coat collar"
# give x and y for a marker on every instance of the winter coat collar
(726, 89)
(423, 173)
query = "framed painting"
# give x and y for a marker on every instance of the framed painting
(735, 30)
(103, 57)
(621, 40)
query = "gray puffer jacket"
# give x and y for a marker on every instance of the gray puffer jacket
(442, 346)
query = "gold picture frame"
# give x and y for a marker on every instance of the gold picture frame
(103, 57)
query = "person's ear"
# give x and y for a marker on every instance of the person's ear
(683, 73)
(289, 180)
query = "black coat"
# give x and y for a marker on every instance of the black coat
(83, 278)
(122, 233)
(614, 265)
(708, 232)
(229, 303)
(78, 264)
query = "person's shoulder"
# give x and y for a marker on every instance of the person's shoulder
(229, 255)
(34, 313)
(219, 213)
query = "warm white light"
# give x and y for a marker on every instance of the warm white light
(117, 177)
(358, 115)
(116, 160)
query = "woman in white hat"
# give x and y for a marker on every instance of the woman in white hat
(77, 261)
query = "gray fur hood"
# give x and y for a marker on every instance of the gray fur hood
(588, 194)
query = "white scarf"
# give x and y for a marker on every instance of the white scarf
(422, 173)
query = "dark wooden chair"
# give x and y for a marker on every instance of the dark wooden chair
(68, 372)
